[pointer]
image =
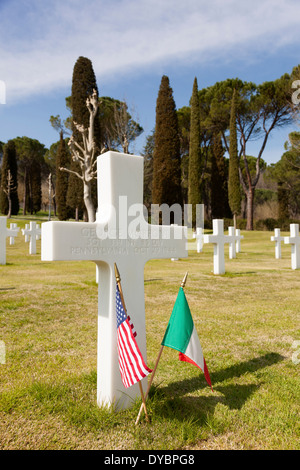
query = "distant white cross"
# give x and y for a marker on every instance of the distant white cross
(4, 233)
(239, 237)
(294, 241)
(218, 239)
(277, 239)
(199, 237)
(232, 242)
(14, 230)
(26, 237)
(200, 216)
(130, 243)
(33, 233)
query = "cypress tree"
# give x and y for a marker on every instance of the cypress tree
(166, 154)
(194, 193)
(62, 177)
(219, 194)
(36, 187)
(83, 84)
(234, 191)
(148, 169)
(9, 163)
(4, 178)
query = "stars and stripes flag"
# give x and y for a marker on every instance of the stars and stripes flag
(131, 363)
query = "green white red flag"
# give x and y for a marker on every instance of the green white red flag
(182, 336)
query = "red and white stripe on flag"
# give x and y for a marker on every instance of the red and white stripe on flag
(131, 362)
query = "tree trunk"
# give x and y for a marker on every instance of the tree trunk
(54, 206)
(88, 201)
(250, 200)
(234, 220)
(9, 207)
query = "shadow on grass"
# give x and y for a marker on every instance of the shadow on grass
(175, 403)
(75, 400)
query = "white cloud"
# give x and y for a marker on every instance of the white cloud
(40, 41)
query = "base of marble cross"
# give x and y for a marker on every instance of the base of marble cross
(120, 235)
(3, 236)
(277, 238)
(294, 241)
(238, 237)
(232, 243)
(199, 237)
(4, 233)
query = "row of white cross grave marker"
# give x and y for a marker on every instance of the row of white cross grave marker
(32, 232)
(293, 240)
(218, 238)
(122, 175)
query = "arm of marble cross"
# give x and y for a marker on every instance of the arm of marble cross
(80, 241)
(63, 241)
(164, 241)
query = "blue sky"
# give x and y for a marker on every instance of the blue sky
(131, 44)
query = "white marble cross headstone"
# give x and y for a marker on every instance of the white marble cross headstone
(238, 237)
(26, 237)
(4, 233)
(129, 243)
(232, 242)
(200, 215)
(277, 239)
(34, 233)
(294, 240)
(199, 237)
(14, 230)
(218, 239)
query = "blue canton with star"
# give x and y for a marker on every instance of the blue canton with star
(121, 315)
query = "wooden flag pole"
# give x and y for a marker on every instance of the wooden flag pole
(118, 280)
(183, 282)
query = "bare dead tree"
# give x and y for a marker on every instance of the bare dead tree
(84, 154)
(122, 126)
(123, 129)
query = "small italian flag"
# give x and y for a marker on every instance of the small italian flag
(182, 335)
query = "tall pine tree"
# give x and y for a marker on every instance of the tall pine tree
(234, 191)
(35, 182)
(194, 192)
(9, 166)
(219, 180)
(166, 186)
(62, 177)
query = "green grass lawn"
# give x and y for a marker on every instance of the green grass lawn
(247, 321)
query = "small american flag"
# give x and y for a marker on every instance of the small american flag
(131, 362)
